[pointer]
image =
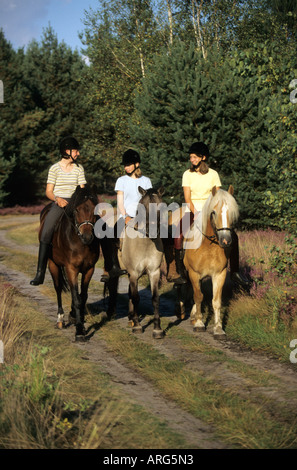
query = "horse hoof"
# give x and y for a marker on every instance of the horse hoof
(199, 329)
(130, 323)
(158, 334)
(60, 325)
(80, 339)
(137, 329)
(71, 320)
(181, 316)
(220, 336)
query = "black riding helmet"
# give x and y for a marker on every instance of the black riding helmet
(68, 143)
(200, 149)
(130, 157)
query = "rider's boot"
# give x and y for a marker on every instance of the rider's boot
(116, 270)
(41, 265)
(240, 279)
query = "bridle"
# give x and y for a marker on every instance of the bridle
(214, 238)
(78, 226)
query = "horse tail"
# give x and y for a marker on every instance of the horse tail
(63, 279)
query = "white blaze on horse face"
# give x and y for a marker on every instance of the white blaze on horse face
(224, 215)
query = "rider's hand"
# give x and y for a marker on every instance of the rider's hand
(61, 202)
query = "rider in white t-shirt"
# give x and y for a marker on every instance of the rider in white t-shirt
(128, 196)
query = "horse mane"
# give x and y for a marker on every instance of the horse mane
(81, 195)
(220, 197)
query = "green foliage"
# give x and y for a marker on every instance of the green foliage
(44, 101)
(161, 74)
(283, 261)
(233, 103)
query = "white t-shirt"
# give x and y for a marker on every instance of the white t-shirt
(132, 196)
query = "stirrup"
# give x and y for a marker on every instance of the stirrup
(240, 279)
(179, 280)
(113, 273)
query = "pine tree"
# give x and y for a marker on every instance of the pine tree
(10, 109)
(54, 107)
(220, 101)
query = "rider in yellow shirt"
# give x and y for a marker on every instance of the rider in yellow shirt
(197, 184)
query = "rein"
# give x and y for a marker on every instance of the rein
(214, 238)
(144, 232)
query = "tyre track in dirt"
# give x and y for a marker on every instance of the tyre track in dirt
(133, 387)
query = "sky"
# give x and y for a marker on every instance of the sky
(24, 20)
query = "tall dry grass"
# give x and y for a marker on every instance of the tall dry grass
(38, 410)
(266, 318)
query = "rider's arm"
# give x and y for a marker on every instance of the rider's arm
(49, 192)
(188, 200)
(120, 203)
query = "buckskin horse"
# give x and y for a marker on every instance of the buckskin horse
(219, 214)
(75, 250)
(142, 252)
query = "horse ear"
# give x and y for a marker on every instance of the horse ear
(214, 190)
(161, 191)
(141, 190)
(94, 188)
(231, 190)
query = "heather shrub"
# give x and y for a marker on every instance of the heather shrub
(267, 317)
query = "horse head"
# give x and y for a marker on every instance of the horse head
(149, 208)
(81, 208)
(223, 212)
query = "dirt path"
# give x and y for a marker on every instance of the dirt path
(133, 386)
(141, 391)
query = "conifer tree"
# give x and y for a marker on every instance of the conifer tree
(10, 109)
(221, 102)
(48, 104)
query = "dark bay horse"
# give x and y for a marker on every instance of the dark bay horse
(75, 250)
(210, 258)
(142, 252)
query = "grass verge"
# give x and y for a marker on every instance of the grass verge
(52, 397)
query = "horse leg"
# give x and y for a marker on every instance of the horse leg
(56, 277)
(130, 307)
(218, 283)
(72, 275)
(196, 315)
(113, 292)
(154, 282)
(85, 281)
(133, 313)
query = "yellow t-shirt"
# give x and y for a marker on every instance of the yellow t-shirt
(200, 185)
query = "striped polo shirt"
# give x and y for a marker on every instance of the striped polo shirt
(65, 183)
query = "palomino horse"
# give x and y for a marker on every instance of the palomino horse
(75, 250)
(142, 252)
(219, 214)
